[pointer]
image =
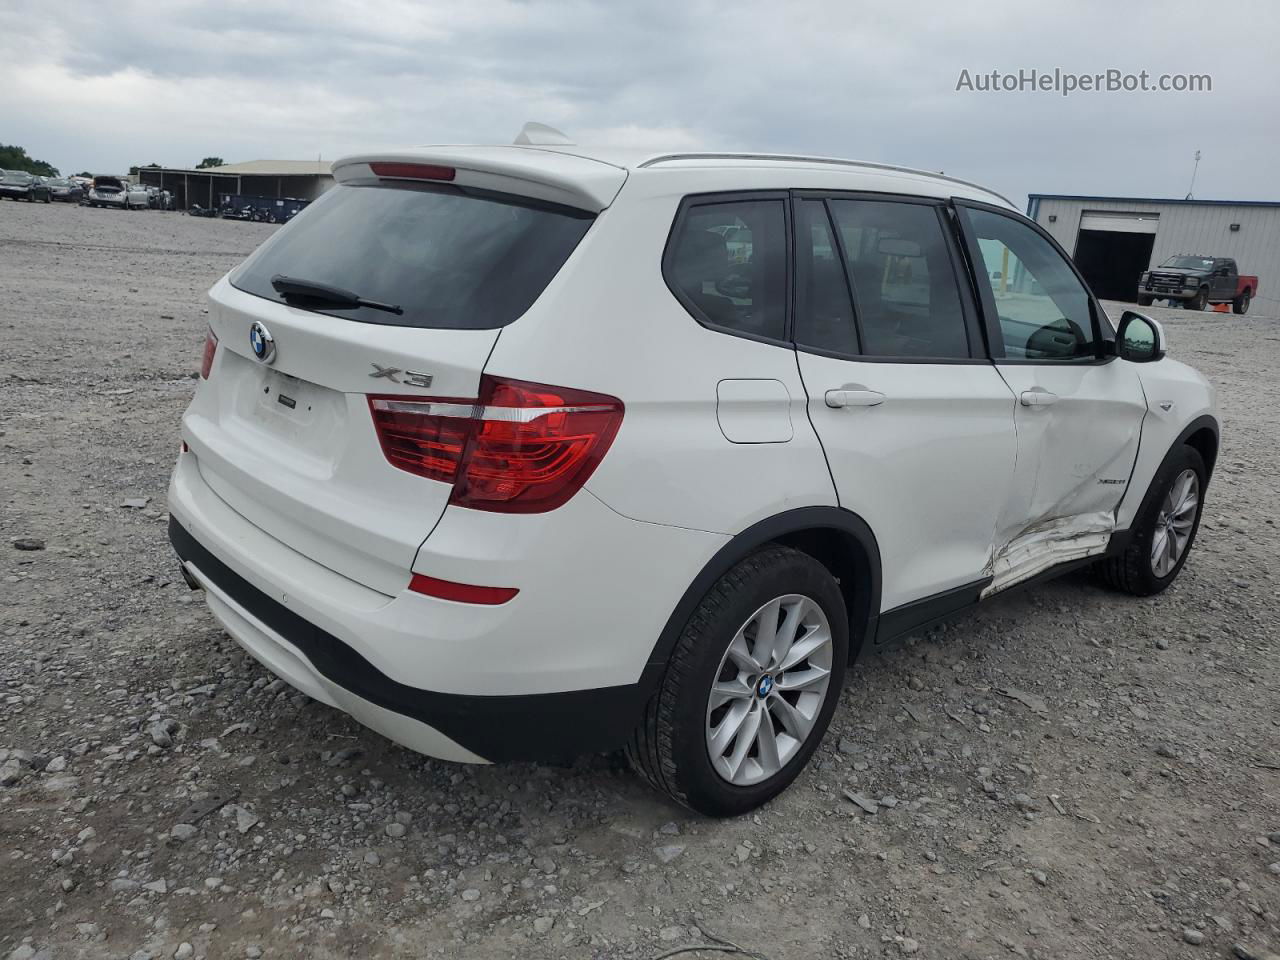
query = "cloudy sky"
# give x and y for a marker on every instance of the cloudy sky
(100, 87)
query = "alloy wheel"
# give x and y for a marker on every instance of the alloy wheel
(769, 691)
(1175, 522)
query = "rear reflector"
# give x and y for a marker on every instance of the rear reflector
(210, 348)
(412, 171)
(521, 448)
(460, 592)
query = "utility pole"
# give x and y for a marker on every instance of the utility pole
(1194, 170)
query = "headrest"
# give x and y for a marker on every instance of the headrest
(702, 255)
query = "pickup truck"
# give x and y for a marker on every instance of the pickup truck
(1196, 282)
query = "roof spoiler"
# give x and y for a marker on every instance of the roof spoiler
(547, 175)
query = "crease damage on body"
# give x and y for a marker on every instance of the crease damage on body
(1046, 544)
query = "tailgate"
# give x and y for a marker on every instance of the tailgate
(376, 288)
(291, 445)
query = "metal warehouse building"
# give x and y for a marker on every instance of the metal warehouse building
(1114, 239)
(300, 179)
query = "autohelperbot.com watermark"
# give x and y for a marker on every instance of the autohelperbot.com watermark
(1065, 82)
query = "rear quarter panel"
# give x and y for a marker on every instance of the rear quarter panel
(609, 323)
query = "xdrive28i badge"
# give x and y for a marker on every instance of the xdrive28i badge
(264, 347)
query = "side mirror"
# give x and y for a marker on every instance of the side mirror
(1139, 338)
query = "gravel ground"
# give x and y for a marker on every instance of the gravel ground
(1063, 773)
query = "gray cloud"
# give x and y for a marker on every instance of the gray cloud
(105, 87)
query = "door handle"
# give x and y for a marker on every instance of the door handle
(1038, 398)
(854, 397)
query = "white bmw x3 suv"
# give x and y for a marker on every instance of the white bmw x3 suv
(525, 452)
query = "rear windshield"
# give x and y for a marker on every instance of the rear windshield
(450, 257)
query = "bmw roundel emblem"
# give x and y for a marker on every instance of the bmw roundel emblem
(264, 347)
(766, 685)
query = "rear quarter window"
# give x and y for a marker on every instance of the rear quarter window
(450, 257)
(726, 262)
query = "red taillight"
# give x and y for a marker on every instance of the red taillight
(426, 437)
(521, 448)
(210, 348)
(460, 592)
(412, 171)
(533, 445)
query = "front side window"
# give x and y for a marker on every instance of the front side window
(727, 265)
(1044, 309)
(904, 287)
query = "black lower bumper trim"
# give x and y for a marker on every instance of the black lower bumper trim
(544, 726)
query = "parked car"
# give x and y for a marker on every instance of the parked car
(20, 185)
(531, 485)
(234, 206)
(65, 190)
(1196, 281)
(109, 192)
(137, 197)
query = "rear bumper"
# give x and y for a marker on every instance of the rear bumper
(458, 727)
(561, 670)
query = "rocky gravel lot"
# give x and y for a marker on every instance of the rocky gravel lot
(1064, 773)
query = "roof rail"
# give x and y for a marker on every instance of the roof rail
(835, 161)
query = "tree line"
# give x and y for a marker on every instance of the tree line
(13, 157)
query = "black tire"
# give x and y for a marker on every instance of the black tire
(1199, 301)
(668, 747)
(1240, 305)
(1144, 301)
(1131, 571)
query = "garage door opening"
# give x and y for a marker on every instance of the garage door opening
(1112, 250)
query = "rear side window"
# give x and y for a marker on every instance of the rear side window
(904, 288)
(824, 313)
(727, 263)
(451, 258)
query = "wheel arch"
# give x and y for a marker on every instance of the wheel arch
(1202, 436)
(838, 539)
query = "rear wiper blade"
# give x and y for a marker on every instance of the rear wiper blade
(335, 296)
